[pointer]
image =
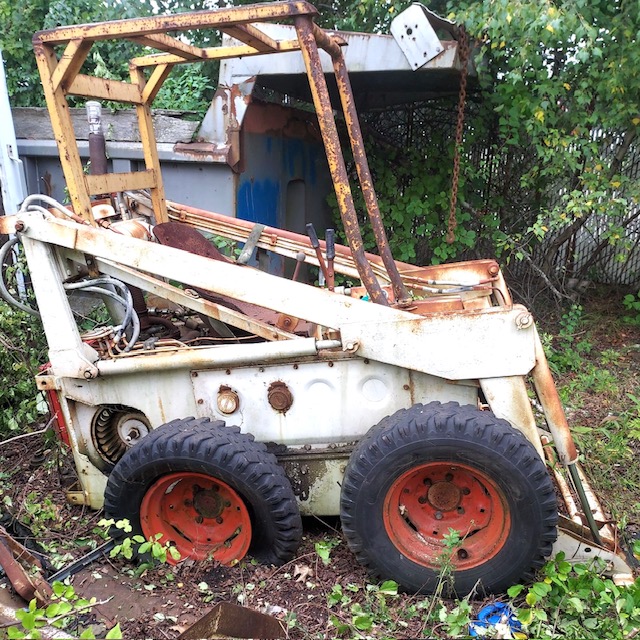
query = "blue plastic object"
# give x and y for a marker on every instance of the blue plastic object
(492, 614)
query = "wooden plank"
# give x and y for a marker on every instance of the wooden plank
(177, 22)
(70, 62)
(115, 182)
(32, 123)
(63, 132)
(104, 89)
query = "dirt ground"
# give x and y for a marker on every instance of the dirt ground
(163, 602)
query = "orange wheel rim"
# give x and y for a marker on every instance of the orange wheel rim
(201, 516)
(424, 503)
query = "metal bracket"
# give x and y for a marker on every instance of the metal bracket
(415, 36)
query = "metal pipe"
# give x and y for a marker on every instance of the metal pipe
(7, 247)
(400, 291)
(300, 258)
(220, 356)
(337, 167)
(97, 145)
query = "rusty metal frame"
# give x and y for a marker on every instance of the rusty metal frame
(62, 77)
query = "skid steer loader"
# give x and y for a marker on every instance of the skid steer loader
(243, 400)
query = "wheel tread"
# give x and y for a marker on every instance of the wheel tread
(204, 444)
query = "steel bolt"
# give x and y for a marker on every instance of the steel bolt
(438, 515)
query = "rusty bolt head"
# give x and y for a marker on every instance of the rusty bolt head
(494, 270)
(20, 225)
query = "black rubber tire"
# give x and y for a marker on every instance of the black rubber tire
(202, 446)
(458, 434)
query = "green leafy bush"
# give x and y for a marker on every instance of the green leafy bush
(22, 351)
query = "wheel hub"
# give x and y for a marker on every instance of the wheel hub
(444, 496)
(426, 502)
(202, 516)
(208, 502)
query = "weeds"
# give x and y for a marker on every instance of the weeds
(576, 601)
(155, 551)
(631, 303)
(65, 611)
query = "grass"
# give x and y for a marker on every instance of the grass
(595, 355)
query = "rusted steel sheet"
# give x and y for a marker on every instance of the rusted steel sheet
(21, 568)
(552, 406)
(322, 103)
(227, 620)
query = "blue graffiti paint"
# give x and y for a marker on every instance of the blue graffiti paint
(258, 201)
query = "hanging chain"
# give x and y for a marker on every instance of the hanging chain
(463, 52)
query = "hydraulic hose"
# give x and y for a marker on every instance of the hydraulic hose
(4, 291)
(96, 287)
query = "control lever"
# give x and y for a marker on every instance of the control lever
(315, 243)
(300, 258)
(330, 250)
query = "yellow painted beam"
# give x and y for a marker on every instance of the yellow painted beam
(154, 84)
(178, 22)
(115, 182)
(63, 132)
(70, 63)
(212, 53)
(251, 35)
(170, 45)
(104, 89)
(149, 146)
